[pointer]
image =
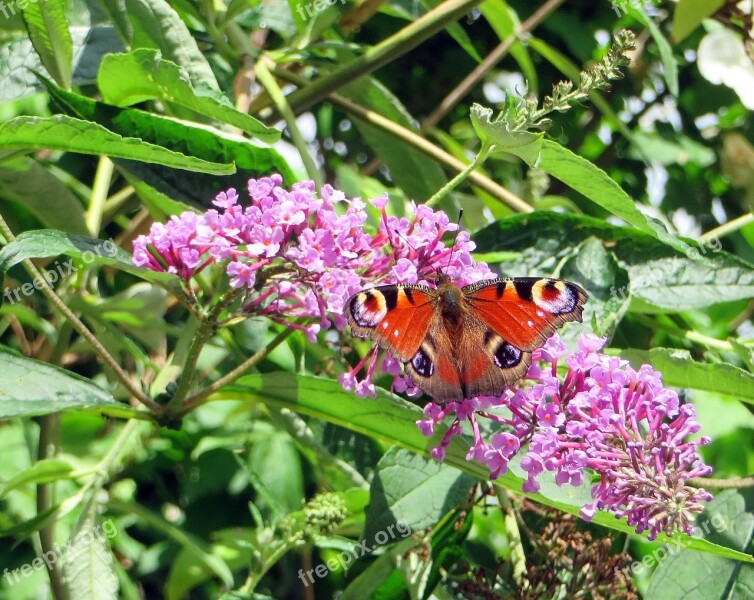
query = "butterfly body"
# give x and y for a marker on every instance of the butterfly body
(460, 342)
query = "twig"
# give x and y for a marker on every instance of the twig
(79, 326)
(494, 57)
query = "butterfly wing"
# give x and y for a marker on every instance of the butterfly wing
(525, 311)
(456, 363)
(397, 317)
(434, 366)
(490, 362)
(506, 319)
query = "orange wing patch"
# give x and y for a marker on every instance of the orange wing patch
(396, 317)
(525, 311)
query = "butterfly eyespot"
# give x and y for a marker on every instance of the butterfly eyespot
(507, 356)
(368, 308)
(557, 297)
(422, 364)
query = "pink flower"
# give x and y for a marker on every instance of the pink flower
(296, 257)
(602, 417)
(241, 275)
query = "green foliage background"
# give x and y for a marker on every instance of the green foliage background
(118, 113)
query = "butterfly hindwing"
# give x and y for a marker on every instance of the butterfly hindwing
(473, 361)
(525, 311)
(397, 317)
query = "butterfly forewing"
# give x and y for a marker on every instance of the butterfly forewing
(525, 311)
(397, 317)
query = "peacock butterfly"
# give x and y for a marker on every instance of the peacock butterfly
(460, 342)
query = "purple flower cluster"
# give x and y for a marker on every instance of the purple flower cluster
(602, 415)
(299, 254)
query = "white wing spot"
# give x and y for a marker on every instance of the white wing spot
(384, 325)
(530, 323)
(540, 314)
(395, 333)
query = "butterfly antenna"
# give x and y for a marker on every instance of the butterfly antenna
(455, 237)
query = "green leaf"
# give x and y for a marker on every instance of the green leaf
(660, 278)
(377, 574)
(37, 522)
(88, 561)
(43, 471)
(688, 14)
(133, 77)
(679, 369)
(188, 542)
(392, 420)
(666, 282)
(412, 489)
(160, 205)
(597, 269)
(45, 243)
(157, 184)
(457, 32)
(506, 23)
(672, 149)
(413, 171)
(75, 135)
(19, 62)
(276, 464)
(669, 65)
(498, 133)
(683, 574)
(25, 181)
(157, 25)
(48, 29)
(31, 387)
(591, 181)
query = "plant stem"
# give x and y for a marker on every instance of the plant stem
(207, 327)
(692, 336)
(710, 342)
(267, 81)
(255, 577)
(726, 228)
(49, 441)
(198, 398)
(494, 57)
(79, 326)
(410, 137)
(389, 49)
(720, 484)
(102, 179)
(518, 556)
(481, 156)
(49, 446)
